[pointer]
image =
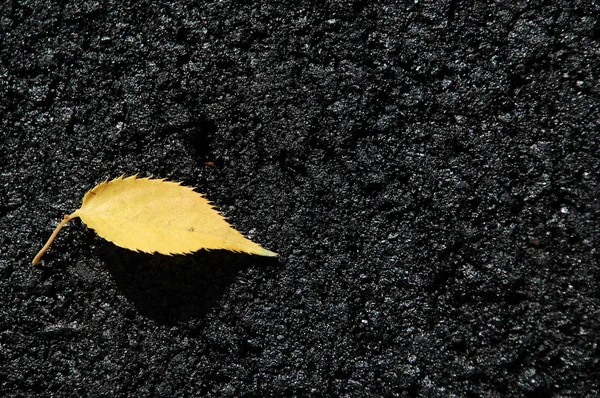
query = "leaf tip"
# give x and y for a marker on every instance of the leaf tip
(268, 253)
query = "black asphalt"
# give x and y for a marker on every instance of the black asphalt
(428, 172)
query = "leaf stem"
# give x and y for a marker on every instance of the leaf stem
(38, 256)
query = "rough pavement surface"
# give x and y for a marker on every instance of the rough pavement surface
(428, 172)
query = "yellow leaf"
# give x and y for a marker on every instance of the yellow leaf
(156, 216)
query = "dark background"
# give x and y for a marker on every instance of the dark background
(428, 172)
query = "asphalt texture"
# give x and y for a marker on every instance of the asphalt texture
(428, 172)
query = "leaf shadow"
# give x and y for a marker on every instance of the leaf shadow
(174, 289)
